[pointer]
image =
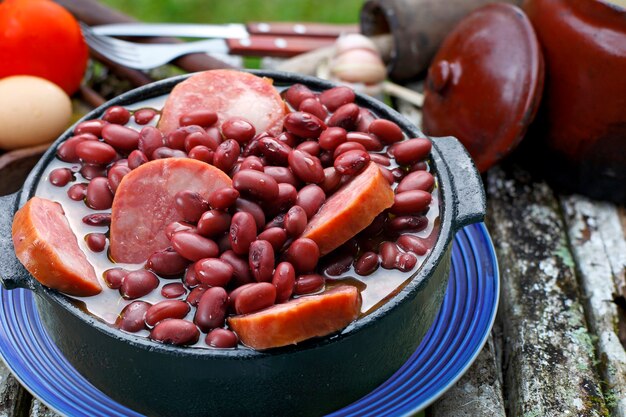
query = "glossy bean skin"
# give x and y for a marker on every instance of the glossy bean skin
(313, 106)
(411, 151)
(310, 198)
(287, 138)
(97, 219)
(309, 284)
(239, 129)
(243, 205)
(99, 196)
(221, 339)
(370, 142)
(223, 198)
(417, 180)
(121, 138)
(389, 252)
(255, 297)
(405, 262)
(387, 174)
(287, 195)
(345, 116)
(138, 283)
(191, 278)
(132, 317)
(303, 254)
(77, 192)
(332, 137)
(177, 137)
(348, 146)
(274, 151)
(213, 223)
(173, 290)
(115, 176)
(201, 139)
(211, 310)
(95, 152)
(93, 126)
(277, 237)
(167, 309)
(386, 130)
(175, 227)
(411, 202)
(202, 153)
(165, 152)
(413, 244)
(365, 120)
(193, 298)
(213, 272)
(312, 147)
(352, 162)
(226, 155)
(241, 271)
(150, 139)
(295, 221)
(117, 115)
(261, 260)
(66, 151)
(167, 262)
(332, 180)
(175, 332)
(336, 97)
(194, 247)
(256, 184)
(296, 94)
(339, 265)
(284, 279)
(60, 177)
(252, 162)
(367, 263)
(306, 167)
(380, 159)
(304, 125)
(91, 171)
(113, 277)
(96, 242)
(144, 116)
(190, 205)
(282, 175)
(204, 118)
(407, 223)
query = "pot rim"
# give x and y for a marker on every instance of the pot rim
(412, 285)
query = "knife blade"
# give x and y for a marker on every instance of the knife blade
(225, 31)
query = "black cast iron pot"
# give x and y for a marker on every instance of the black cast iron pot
(313, 378)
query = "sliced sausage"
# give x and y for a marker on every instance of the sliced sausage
(48, 249)
(282, 324)
(350, 210)
(228, 93)
(145, 204)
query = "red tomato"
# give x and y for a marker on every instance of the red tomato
(41, 38)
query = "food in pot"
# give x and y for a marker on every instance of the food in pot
(219, 234)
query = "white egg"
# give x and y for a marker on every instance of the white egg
(32, 111)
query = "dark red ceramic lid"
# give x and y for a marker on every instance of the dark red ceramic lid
(484, 85)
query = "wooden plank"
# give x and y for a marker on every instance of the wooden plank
(477, 393)
(548, 354)
(14, 400)
(599, 249)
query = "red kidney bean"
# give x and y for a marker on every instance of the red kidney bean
(115, 175)
(177, 137)
(407, 223)
(60, 177)
(304, 125)
(278, 221)
(352, 162)
(348, 146)
(144, 116)
(261, 260)
(411, 151)
(201, 139)
(190, 205)
(303, 253)
(165, 152)
(255, 297)
(365, 119)
(238, 128)
(410, 202)
(117, 115)
(405, 262)
(221, 339)
(214, 272)
(77, 192)
(243, 230)
(371, 143)
(339, 265)
(286, 198)
(174, 227)
(367, 263)
(94, 152)
(211, 310)
(93, 126)
(388, 174)
(336, 97)
(313, 106)
(167, 262)
(191, 278)
(296, 94)
(194, 247)
(253, 148)
(113, 277)
(204, 118)
(167, 309)
(418, 180)
(413, 244)
(312, 147)
(380, 159)
(223, 198)
(389, 252)
(398, 174)
(256, 184)
(193, 298)
(276, 152)
(243, 205)
(175, 332)
(202, 153)
(97, 219)
(295, 221)
(419, 166)
(332, 137)
(120, 137)
(284, 279)
(96, 241)
(306, 167)
(213, 223)
(332, 180)
(99, 196)
(90, 171)
(131, 319)
(252, 162)
(386, 130)
(226, 155)
(345, 116)
(150, 139)
(138, 283)
(282, 175)
(310, 198)
(136, 158)
(287, 138)
(275, 235)
(173, 290)
(232, 296)
(241, 272)
(308, 284)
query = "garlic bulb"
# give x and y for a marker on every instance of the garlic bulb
(357, 60)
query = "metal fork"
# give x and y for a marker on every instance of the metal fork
(146, 56)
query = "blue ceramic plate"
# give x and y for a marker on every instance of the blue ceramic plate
(448, 349)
